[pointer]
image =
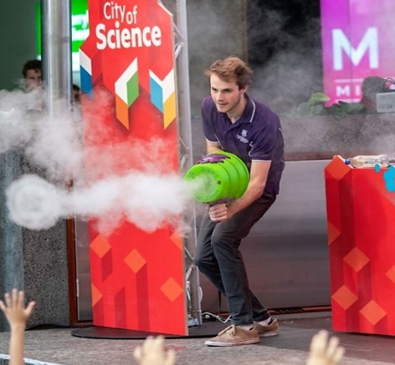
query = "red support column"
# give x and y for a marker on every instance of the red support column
(128, 74)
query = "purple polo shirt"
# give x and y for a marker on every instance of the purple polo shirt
(256, 135)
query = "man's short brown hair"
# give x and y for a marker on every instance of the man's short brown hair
(231, 69)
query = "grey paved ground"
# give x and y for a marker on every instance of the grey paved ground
(290, 347)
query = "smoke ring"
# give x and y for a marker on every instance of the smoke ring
(33, 202)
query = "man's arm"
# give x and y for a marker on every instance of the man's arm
(212, 147)
(255, 188)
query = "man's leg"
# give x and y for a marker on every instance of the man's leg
(205, 259)
(208, 265)
(259, 312)
(225, 242)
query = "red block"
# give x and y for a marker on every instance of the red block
(361, 239)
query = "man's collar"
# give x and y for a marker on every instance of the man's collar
(249, 111)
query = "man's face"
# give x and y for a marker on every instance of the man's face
(33, 79)
(226, 95)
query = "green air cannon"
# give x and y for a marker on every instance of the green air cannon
(218, 177)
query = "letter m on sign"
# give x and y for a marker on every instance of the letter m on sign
(368, 43)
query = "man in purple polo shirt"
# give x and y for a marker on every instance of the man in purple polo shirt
(234, 122)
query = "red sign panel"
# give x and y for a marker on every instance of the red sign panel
(127, 74)
(361, 233)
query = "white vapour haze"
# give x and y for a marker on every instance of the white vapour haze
(148, 197)
(17, 118)
(290, 77)
(56, 147)
(148, 201)
(286, 52)
(34, 203)
(53, 144)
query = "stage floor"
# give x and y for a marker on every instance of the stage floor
(56, 345)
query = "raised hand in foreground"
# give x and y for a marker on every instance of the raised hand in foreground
(17, 315)
(153, 352)
(324, 351)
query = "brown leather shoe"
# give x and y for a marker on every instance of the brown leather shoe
(234, 336)
(269, 330)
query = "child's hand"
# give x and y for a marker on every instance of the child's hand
(14, 308)
(153, 352)
(324, 350)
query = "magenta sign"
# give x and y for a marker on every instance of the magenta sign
(358, 40)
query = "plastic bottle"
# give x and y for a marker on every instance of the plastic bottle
(363, 161)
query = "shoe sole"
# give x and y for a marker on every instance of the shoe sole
(230, 344)
(269, 334)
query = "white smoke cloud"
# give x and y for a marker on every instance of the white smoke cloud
(34, 203)
(52, 144)
(148, 201)
(86, 176)
(56, 146)
(17, 125)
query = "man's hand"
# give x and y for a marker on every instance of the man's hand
(258, 176)
(14, 308)
(220, 212)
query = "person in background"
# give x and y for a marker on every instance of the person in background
(17, 314)
(236, 123)
(32, 85)
(76, 93)
(371, 86)
(32, 75)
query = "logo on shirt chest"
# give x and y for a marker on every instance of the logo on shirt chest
(242, 136)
